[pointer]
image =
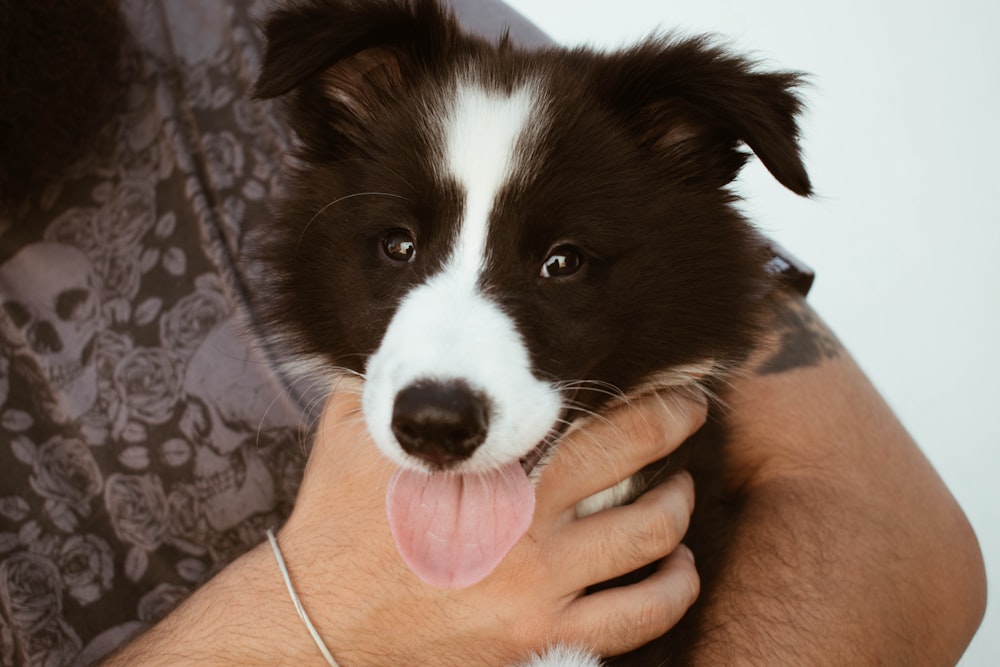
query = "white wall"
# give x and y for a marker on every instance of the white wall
(903, 145)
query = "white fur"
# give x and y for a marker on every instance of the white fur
(481, 132)
(443, 332)
(562, 656)
(446, 329)
(307, 368)
(611, 497)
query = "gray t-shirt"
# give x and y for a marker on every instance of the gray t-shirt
(146, 437)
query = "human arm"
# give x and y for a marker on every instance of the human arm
(851, 549)
(372, 611)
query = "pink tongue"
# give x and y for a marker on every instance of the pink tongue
(453, 530)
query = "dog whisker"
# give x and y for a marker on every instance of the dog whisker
(468, 332)
(339, 200)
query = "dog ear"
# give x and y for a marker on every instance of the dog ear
(697, 103)
(352, 54)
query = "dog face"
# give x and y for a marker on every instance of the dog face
(501, 241)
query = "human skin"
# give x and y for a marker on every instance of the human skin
(850, 549)
(372, 611)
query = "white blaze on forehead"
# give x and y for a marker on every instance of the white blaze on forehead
(482, 131)
(447, 329)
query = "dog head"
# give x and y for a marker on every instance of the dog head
(501, 241)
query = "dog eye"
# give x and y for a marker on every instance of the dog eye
(399, 245)
(563, 260)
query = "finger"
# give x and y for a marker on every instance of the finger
(342, 435)
(618, 620)
(622, 539)
(343, 404)
(342, 431)
(601, 453)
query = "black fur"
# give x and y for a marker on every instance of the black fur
(634, 170)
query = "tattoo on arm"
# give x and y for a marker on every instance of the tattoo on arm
(804, 340)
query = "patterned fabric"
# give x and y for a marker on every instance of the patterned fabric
(145, 439)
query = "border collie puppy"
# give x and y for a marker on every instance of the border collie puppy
(501, 242)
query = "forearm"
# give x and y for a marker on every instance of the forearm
(851, 549)
(243, 616)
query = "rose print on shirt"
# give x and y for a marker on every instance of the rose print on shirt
(66, 475)
(139, 515)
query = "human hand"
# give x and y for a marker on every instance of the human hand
(372, 610)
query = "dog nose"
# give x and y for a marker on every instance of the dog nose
(440, 422)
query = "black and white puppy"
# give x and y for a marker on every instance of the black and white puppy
(501, 242)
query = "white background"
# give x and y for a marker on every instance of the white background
(902, 141)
